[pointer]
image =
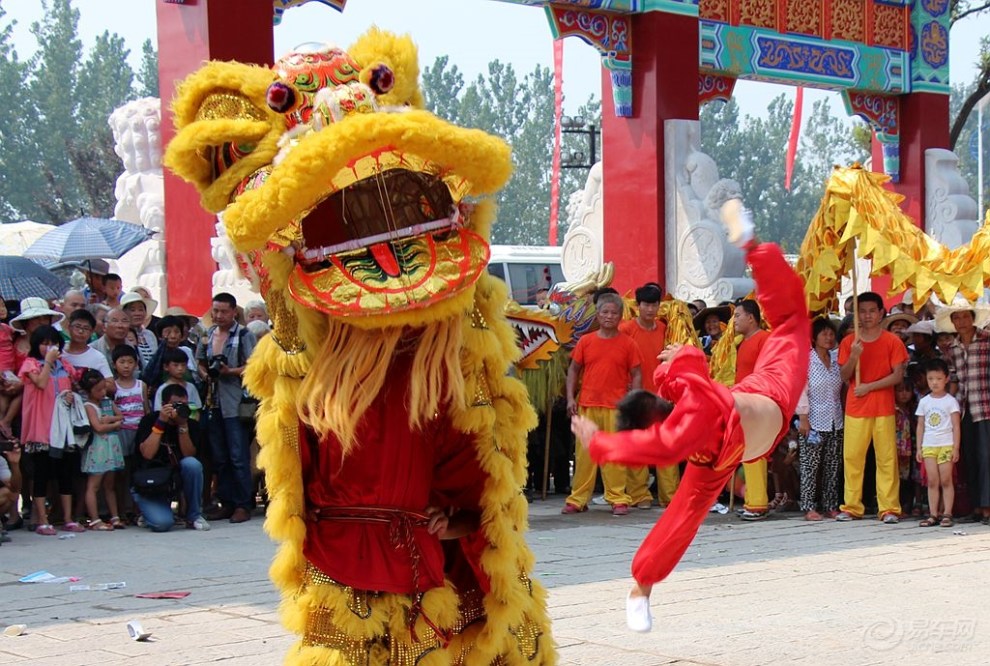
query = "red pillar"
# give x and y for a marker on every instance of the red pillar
(665, 87)
(188, 35)
(924, 123)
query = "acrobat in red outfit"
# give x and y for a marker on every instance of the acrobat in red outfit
(712, 427)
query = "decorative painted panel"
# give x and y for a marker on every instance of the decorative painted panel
(890, 26)
(610, 34)
(930, 46)
(745, 52)
(757, 13)
(848, 20)
(716, 10)
(882, 114)
(684, 7)
(712, 87)
(805, 17)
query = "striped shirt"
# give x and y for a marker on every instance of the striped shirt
(970, 366)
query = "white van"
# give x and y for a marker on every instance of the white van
(526, 269)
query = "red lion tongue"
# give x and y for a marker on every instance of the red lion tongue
(383, 254)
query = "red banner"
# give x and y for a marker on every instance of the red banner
(558, 109)
(792, 142)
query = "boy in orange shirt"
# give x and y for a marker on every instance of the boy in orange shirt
(650, 335)
(608, 364)
(870, 406)
(746, 321)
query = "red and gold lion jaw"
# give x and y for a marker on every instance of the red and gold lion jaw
(325, 159)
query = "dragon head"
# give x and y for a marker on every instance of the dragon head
(336, 186)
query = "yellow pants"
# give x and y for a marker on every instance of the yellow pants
(585, 470)
(637, 485)
(859, 432)
(668, 478)
(755, 498)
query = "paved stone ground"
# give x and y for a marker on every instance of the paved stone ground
(778, 592)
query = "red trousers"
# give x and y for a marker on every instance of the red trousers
(704, 426)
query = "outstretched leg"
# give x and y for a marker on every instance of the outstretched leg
(670, 537)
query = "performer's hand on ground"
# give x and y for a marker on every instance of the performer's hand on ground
(584, 428)
(669, 352)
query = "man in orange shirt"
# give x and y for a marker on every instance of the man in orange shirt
(746, 320)
(881, 357)
(650, 335)
(607, 363)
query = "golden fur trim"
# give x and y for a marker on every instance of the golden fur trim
(300, 180)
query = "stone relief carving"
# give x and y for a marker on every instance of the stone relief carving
(140, 193)
(951, 215)
(582, 251)
(701, 263)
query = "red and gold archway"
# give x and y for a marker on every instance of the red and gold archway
(661, 59)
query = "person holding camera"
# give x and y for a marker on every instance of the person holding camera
(222, 355)
(168, 465)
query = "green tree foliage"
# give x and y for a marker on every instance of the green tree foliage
(521, 112)
(148, 74)
(968, 144)
(57, 147)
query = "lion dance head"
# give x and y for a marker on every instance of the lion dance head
(363, 221)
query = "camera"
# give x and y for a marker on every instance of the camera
(7, 445)
(181, 409)
(214, 365)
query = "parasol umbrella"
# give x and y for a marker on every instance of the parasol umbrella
(87, 238)
(15, 237)
(21, 278)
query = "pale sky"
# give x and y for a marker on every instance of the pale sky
(471, 32)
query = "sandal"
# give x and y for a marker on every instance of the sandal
(73, 527)
(930, 521)
(778, 500)
(100, 526)
(946, 521)
(45, 530)
(117, 523)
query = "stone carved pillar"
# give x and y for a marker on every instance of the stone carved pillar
(584, 240)
(140, 193)
(700, 261)
(951, 215)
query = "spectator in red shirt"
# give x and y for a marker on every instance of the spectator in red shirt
(747, 319)
(607, 363)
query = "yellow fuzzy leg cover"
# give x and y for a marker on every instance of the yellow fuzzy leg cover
(516, 629)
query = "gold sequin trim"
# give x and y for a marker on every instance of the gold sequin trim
(482, 391)
(478, 320)
(286, 333)
(527, 637)
(227, 106)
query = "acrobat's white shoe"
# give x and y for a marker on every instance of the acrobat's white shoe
(738, 223)
(638, 616)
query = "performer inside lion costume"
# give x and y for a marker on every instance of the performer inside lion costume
(385, 400)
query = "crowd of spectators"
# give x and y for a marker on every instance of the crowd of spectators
(894, 421)
(112, 417)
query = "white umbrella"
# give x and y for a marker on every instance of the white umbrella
(16, 237)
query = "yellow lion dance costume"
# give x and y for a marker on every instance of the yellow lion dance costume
(385, 400)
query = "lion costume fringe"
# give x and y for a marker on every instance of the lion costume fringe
(361, 221)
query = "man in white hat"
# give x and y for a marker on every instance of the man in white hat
(138, 308)
(969, 360)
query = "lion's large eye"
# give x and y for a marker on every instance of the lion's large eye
(224, 132)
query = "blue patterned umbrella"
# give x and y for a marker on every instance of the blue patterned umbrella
(21, 278)
(87, 238)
